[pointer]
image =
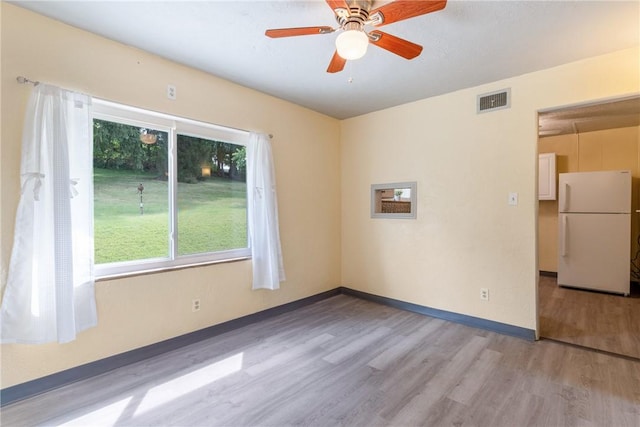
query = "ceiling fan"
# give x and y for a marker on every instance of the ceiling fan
(353, 16)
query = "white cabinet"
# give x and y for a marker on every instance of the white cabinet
(547, 176)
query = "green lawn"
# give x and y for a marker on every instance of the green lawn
(211, 216)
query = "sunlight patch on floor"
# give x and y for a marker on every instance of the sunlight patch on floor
(106, 415)
(187, 383)
(146, 400)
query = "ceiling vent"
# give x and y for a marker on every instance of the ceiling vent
(494, 101)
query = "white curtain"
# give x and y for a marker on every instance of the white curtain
(264, 234)
(50, 286)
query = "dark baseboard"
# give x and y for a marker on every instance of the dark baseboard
(548, 273)
(476, 322)
(50, 382)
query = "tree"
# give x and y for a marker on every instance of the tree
(193, 154)
(118, 146)
(239, 158)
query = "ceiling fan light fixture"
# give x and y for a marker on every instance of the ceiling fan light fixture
(352, 44)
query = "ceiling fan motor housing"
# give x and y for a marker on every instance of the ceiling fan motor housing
(356, 16)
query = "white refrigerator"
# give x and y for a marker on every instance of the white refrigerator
(594, 230)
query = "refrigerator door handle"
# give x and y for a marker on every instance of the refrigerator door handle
(563, 241)
(565, 198)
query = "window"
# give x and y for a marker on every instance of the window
(395, 200)
(167, 191)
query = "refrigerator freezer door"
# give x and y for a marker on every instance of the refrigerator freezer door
(608, 191)
(594, 251)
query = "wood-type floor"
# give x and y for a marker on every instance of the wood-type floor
(349, 362)
(591, 319)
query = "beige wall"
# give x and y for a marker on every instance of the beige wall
(613, 149)
(142, 310)
(466, 236)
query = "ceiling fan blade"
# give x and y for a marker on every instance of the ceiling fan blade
(337, 4)
(394, 44)
(301, 31)
(336, 64)
(400, 10)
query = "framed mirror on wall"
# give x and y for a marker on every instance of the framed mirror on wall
(394, 200)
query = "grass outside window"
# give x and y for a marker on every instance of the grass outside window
(211, 214)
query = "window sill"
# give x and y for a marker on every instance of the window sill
(145, 272)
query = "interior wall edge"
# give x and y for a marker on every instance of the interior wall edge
(474, 322)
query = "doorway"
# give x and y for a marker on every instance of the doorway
(590, 137)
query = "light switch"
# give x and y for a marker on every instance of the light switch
(513, 199)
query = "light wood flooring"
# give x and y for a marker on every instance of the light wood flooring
(349, 362)
(592, 319)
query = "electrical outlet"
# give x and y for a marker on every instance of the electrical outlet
(484, 294)
(195, 305)
(171, 92)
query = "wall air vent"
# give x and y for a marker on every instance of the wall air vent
(494, 101)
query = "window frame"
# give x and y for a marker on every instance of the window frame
(173, 125)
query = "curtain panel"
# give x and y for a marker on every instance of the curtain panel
(50, 286)
(264, 234)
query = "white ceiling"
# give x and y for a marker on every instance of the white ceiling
(467, 44)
